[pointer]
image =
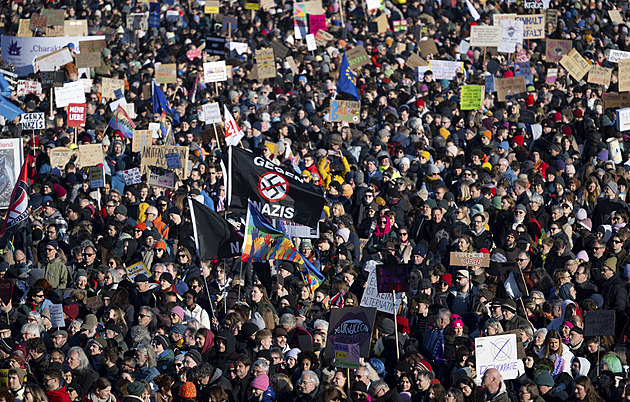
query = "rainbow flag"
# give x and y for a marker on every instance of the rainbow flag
(263, 242)
(122, 122)
(163, 124)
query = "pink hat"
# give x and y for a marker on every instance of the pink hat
(179, 311)
(456, 321)
(582, 255)
(260, 382)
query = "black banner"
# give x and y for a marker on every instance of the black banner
(216, 237)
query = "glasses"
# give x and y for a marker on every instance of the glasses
(88, 254)
(50, 249)
(182, 256)
(617, 241)
(404, 234)
(142, 315)
(111, 206)
(597, 248)
(521, 259)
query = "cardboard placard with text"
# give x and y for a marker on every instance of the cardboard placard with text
(90, 154)
(575, 64)
(414, 61)
(24, 29)
(599, 75)
(557, 48)
(75, 28)
(624, 75)
(87, 59)
(166, 73)
(470, 259)
(140, 139)
(357, 57)
(265, 63)
(110, 85)
(511, 87)
(616, 100)
(485, 36)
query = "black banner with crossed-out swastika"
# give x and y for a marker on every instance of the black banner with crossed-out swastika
(278, 192)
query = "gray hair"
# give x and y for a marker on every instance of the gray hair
(288, 320)
(149, 353)
(115, 275)
(75, 325)
(31, 329)
(537, 198)
(261, 364)
(38, 319)
(377, 386)
(140, 335)
(83, 359)
(323, 324)
(537, 293)
(312, 375)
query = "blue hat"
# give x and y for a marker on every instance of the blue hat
(178, 329)
(420, 249)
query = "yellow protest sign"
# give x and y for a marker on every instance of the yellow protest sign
(575, 64)
(471, 97)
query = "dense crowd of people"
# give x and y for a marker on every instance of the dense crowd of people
(531, 181)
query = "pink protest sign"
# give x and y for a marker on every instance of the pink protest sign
(317, 22)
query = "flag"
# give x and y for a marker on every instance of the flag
(160, 103)
(346, 82)
(163, 124)
(233, 132)
(263, 242)
(277, 192)
(214, 236)
(193, 92)
(473, 12)
(122, 122)
(7, 108)
(17, 214)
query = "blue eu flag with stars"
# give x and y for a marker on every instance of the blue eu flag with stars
(346, 82)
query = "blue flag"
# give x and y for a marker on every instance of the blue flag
(346, 82)
(161, 103)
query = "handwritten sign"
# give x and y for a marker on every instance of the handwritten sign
(265, 63)
(155, 155)
(624, 75)
(173, 161)
(90, 154)
(52, 61)
(76, 114)
(575, 64)
(533, 25)
(599, 323)
(92, 46)
(211, 112)
(110, 85)
(551, 16)
(471, 97)
(557, 48)
(615, 55)
(25, 87)
(357, 57)
(384, 302)
(511, 35)
(317, 23)
(470, 259)
(94, 303)
(60, 156)
(140, 139)
(615, 16)
(38, 22)
(391, 277)
(349, 111)
(414, 61)
(33, 121)
(400, 25)
(512, 87)
(599, 75)
(97, 177)
(24, 29)
(70, 92)
(485, 36)
(322, 37)
(166, 73)
(75, 28)
(616, 100)
(214, 71)
(56, 315)
(132, 176)
(55, 17)
(87, 60)
(498, 352)
(427, 47)
(211, 7)
(161, 177)
(445, 70)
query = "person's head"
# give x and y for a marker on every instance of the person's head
(492, 380)
(362, 375)
(553, 343)
(53, 379)
(308, 383)
(528, 392)
(424, 379)
(584, 389)
(77, 359)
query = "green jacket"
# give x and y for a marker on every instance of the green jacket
(55, 272)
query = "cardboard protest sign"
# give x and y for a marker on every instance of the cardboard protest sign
(166, 73)
(161, 177)
(279, 50)
(292, 65)
(349, 111)
(511, 87)
(90, 154)
(53, 61)
(414, 61)
(599, 75)
(38, 22)
(616, 100)
(87, 60)
(357, 57)
(132, 176)
(511, 35)
(624, 75)
(110, 85)
(381, 23)
(615, 55)
(54, 17)
(575, 64)
(316, 22)
(557, 48)
(485, 36)
(496, 18)
(498, 352)
(25, 87)
(471, 97)
(599, 323)
(322, 38)
(382, 301)
(470, 259)
(60, 156)
(156, 156)
(70, 92)
(445, 70)
(551, 16)
(137, 269)
(76, 114)
(92, 46)
(350, 325)
(140, 139)
(24, 29)
(33, 121)
(75, 28)
(265, 63)
(94, 303)
(427, 47)
(533, 25)
(347, 355)
(615, 16)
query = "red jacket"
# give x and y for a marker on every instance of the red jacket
(60, 395)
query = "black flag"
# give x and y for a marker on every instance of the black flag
(216, 238)
(277, 192)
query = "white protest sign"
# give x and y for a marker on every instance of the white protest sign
(463, 47)
(623, 119)
(615, 55)
(71, 92)
(215, 71)
(485, 36)
(54, 60)
(445, 70)
(498, 352)
(137, 269)
(311, 45)
(211, 113)
(381, 301)
(33, 121)
(132, 176)
(56, 315)
(240, 47)
(25, 87)
(512, 34)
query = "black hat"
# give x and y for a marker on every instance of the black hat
(196, 356)
(174, 211)
(167, 276)
(162, 340)
(111, 325)
(141, 278)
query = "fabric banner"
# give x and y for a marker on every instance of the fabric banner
(215, 237)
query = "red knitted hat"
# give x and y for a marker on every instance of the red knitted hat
(188, 391)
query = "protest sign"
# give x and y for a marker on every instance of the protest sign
(391, 276)
(622, 120)
(94, 303)
(524, 70)
(110, 85)
(54, 17)
(615, 55)
(350, 325)
(214, 71)
(349, 111)
(489, 84)
(292, 65)
(414, 61)
(53, 61)
(347, 355)
(211, 112)
(615, 16)
(33, 121)
(311, 45)
(616, 100)
(379, 25)
(511, 35)
(97, 177)
(38, 22)
(297, 230)
(471, 97)
(599, 75)
(470, 259)
(316, 23)
(552, 75)
(70, 92)
(24, 29)
(265, 63)
(279, 50)
(463, 47)
(161, 177)
(399, 25)
(498, 352)
(496, 18)
(300, 21)
(624, 75)
(557, 48)
(253, 6)
(90, 154)
(357, 57)
(211, 7)
(25, 87)
(60, 156)
(427, 47)
(533, 25)
(75, 28)
(140, 139)
(374, 4)
(76, 114)
(87, 59)
(173, 162)
(485, 36)
(599, 323)
(155, 155)
(166, 73)
(381, 301)
(322, 38)
(56, 315)
(137, 269)
(551, 16)
(132, 176)
(92, 46)
(445, 70)
(313, 7)
(511, 87)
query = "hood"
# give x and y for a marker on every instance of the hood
(229, 340)
(585, 366)
(564, 308)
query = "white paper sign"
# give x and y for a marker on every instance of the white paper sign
(25, 87)
(381, 301)
(623, 119)
(615, 55)
(33, 121)
(87, 85)
(132, 176)
(240, 47)
(56, 315)
(71, 92)
(215, 71)
(497, 352)
(512, 31)
(53, 61)
(463, 47)
(211, 113)
(310, 42)
(445, 70)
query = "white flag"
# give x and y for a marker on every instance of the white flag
(511, 288)
(472, 10)
(233, 132)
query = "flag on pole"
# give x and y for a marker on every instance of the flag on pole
(163, 124)
(122, 122)
(215, 237)
(233, 132)
(17, 214)
(346, 82)
(160, 103)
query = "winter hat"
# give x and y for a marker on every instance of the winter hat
(188, 391)
(544, 379)
(386, 326)
(135, 388)
(179, 311)
(456, 321)
(344, 233)
(509, 304)
(261, 382)
(293, 353)
(195, 355)
(582, 255)
(611, 263)
(613, 187)
(162, 340)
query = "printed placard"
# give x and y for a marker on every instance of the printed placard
(350, 325)
(348, 111)
(575, 64)
(384, 302)
(511, 87)
(90, 154)
(347, 355)
(624, 75)
(33, 121)
(615, 55)
(265, 63)
(471, 97)
(132, 176)
(214, 71)
(558, 48)
(166, 73)
(110, 85)
(56, 315)
(357, 57)
(622, 123)
(76, 114)
(97, 177)
(140, 139)
(485, 36)
(533, 25)
(470, 259)
(599, 75)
